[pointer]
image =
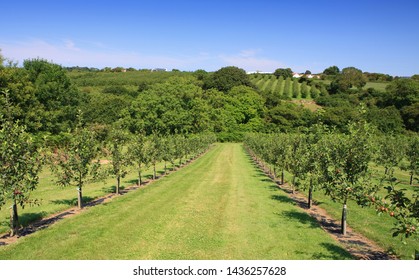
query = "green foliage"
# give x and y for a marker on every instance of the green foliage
(127, 79)
(339, 163)
(23, 104)
(397, 204)
(295, 89)
(19, 167)
(58, 97)
(120, 160)
(2, 59)
(387, 120)
(410, 115)
(304, 90)
(348, 78)
(412, 156)
(287, 117)
(226, 78)
(229, 211)
(378, 77)
(74, 164)
(390, 151)
(139, 150)
(402, 92)
(283, 72)
(175, 105)
(105, 108)
(332, 71)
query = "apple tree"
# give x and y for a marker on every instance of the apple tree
(343, 167)
(120, 162)
(19, 167)
(76, 163)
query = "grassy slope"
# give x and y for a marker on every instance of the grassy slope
(220, 207)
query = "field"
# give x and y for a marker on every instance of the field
(286, 88)
(230, 211)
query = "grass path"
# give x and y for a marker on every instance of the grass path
(219, 207)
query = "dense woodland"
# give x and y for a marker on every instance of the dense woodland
(60, 108)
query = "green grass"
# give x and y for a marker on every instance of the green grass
(54, 199)
(219, 207)
(381, 86)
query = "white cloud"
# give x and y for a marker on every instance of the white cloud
(249, 60)
(95, 54)
(68, 52)
(70, 45)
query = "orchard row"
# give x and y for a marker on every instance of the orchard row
(79, 160)
(341, 165)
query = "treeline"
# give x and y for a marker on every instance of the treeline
(46, 98)
(339, 164)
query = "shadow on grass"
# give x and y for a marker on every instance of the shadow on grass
(334, 252)
(300, 217)
(282, 198)
(111, 189)
(28, 218)
(132, 181)
(73, 201)
(266, 179)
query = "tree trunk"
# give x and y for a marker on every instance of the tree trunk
(154, 171)
(344, 213)
(165, 168)
(310, 193)
(411, 178)
(282, 177)
(79, 192)
(139, 178)
(118, 184)
(14, 220)
(416, 254)
(293, 184)
(79, 197)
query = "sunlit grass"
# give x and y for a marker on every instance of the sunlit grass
(219, 207)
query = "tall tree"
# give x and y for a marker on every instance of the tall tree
(283, 72)
(56, 93)
(332, 70)
(226, 78)
(348, 78)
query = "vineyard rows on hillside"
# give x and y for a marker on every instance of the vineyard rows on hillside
(289, 88)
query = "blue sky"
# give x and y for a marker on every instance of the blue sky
(374, 36)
